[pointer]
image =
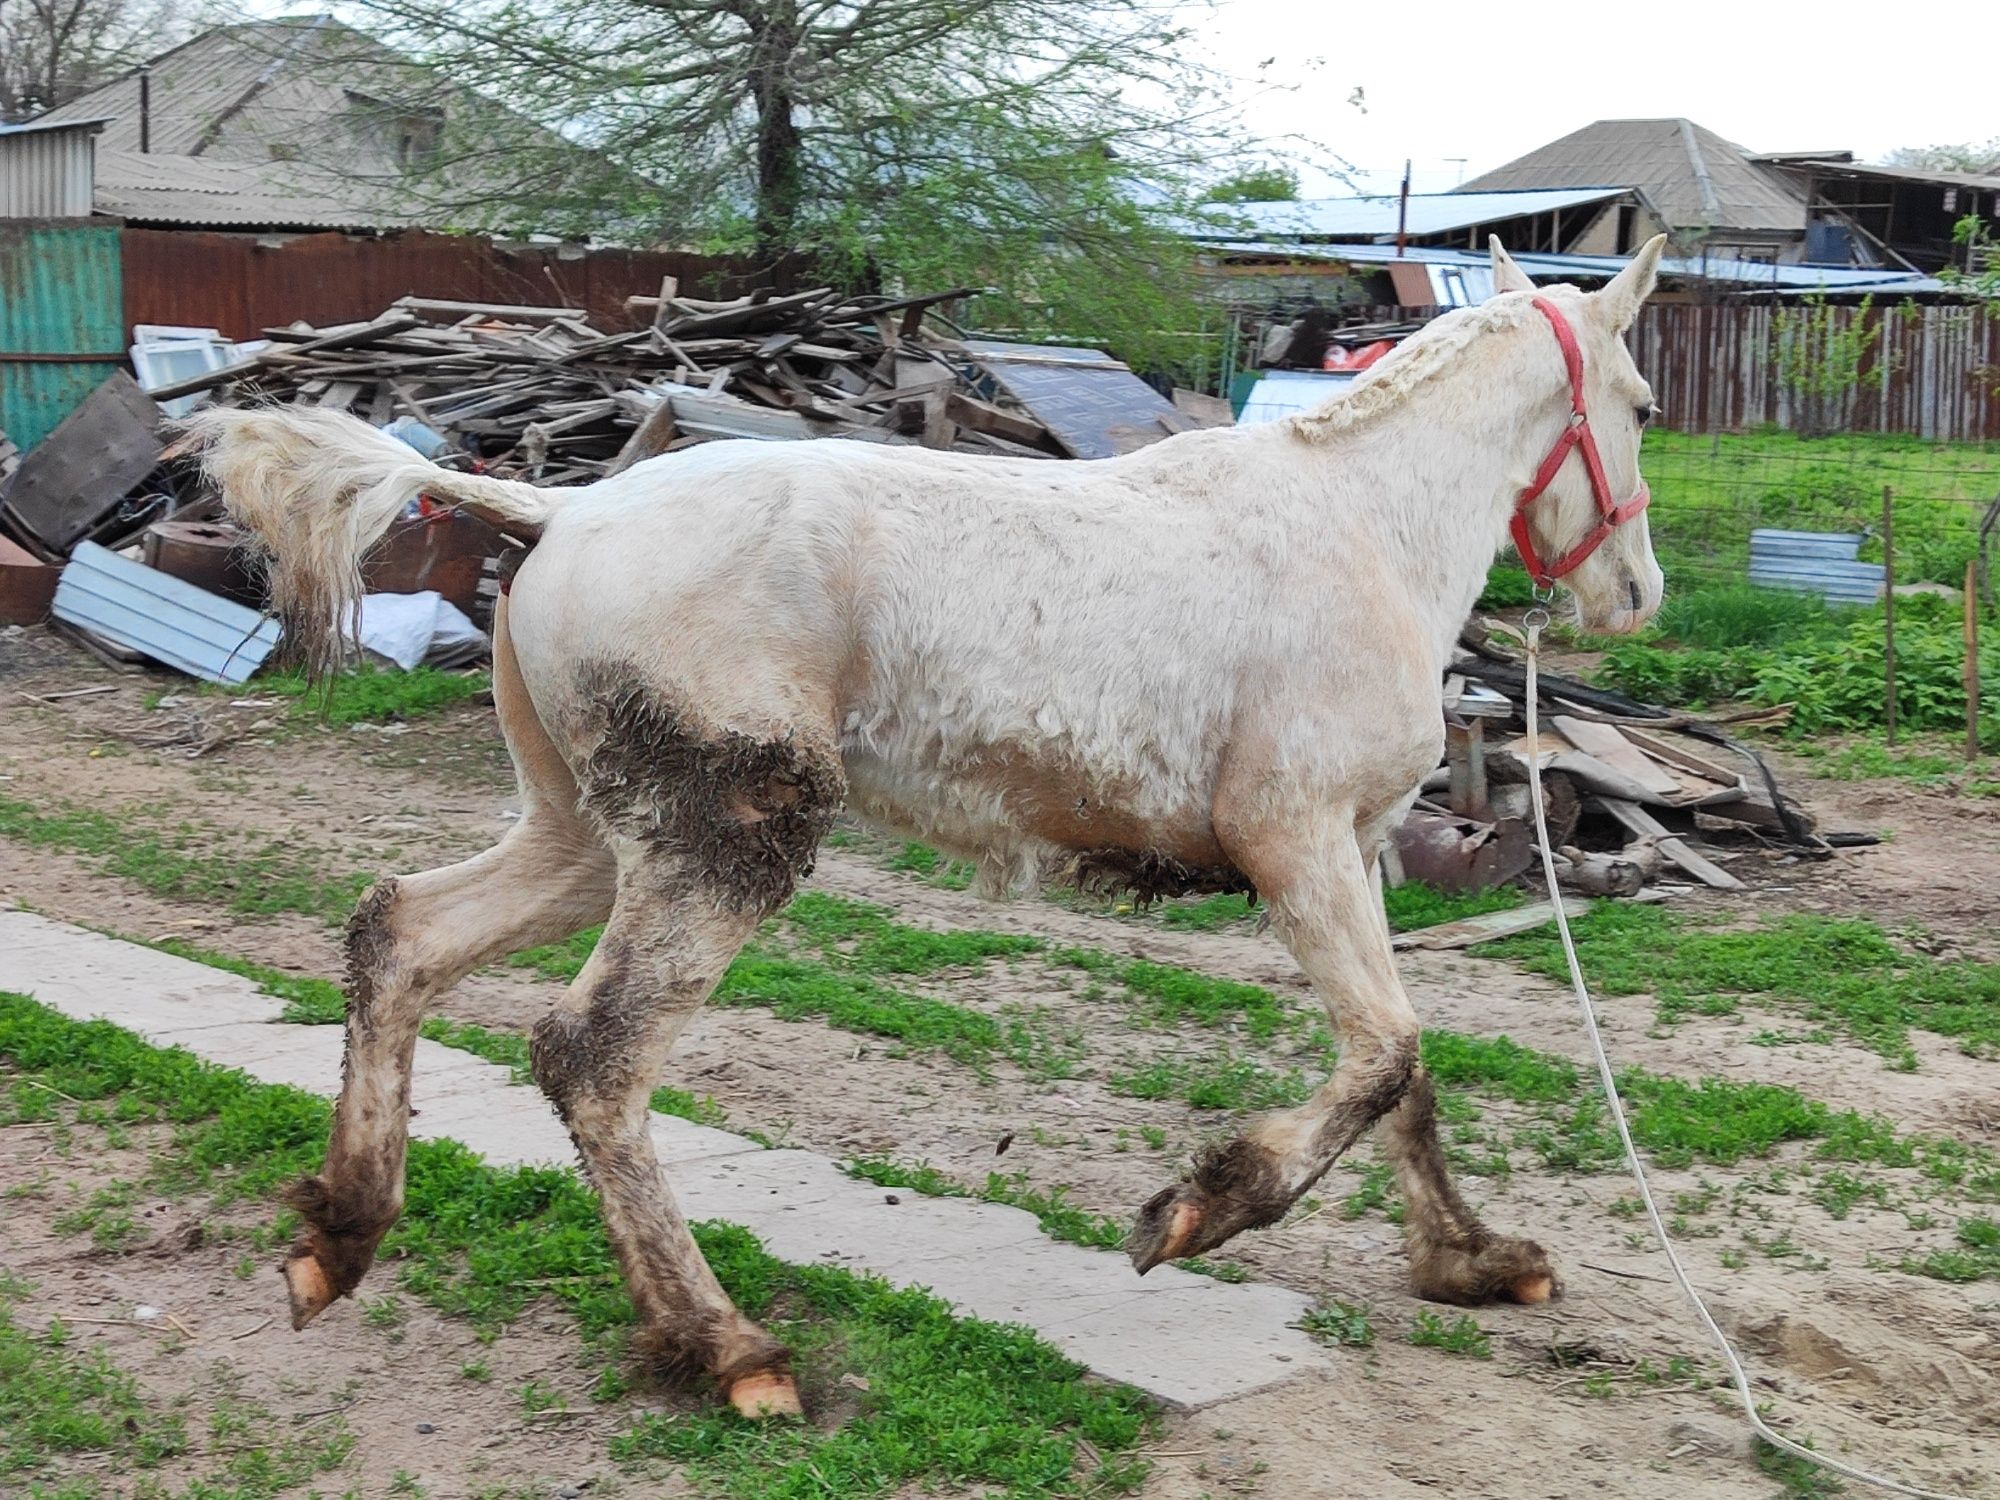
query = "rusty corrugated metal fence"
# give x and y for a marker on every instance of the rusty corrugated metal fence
(244, 283)
(1931, 372)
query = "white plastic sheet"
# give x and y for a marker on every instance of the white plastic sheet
(409, 629)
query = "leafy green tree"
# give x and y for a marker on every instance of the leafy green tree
(1048, 149)
(1262, 184)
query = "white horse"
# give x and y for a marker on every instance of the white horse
(1213, 663)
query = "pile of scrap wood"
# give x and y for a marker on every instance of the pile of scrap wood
(1638, 797)
(537, 393)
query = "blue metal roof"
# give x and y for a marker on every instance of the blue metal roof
(1748, 273)
(1362, 217)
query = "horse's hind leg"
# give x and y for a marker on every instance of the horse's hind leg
(412, 938)
(712, 829)
(1325, 904)
(598, 1056)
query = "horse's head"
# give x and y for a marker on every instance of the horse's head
(1586, 526)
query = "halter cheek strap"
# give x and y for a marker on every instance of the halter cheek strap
(1610, 514)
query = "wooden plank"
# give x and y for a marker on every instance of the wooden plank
(1639, 821)
(1487, 926)
(1605, 743)
(1661, 748)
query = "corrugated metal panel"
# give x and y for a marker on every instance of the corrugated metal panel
(1429, 213)
(62, 321)
(244, 283)
(46, 173)
(1814, 562)
(174, 622)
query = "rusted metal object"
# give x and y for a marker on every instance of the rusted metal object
(207, 554)
(27, 585)
(1459, 854)
(444, 552)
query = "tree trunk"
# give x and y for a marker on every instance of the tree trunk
(780, 146)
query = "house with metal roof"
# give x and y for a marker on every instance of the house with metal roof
(1913, 211)
(1708, 193)
(300, 123)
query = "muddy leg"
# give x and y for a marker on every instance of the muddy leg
(1323, 901)
(412, 938)
(1453, 1257)
(598, 1056)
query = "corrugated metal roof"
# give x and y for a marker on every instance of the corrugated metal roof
(1747, 273)
(1694, 177)
(1372, 217)
(45, 174)
(152, 188)
(169, 620)
(45, 123)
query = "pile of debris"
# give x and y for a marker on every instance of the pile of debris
(1639, 799)
(534, 393)
(537, 393)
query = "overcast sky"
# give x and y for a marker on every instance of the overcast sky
(1487, 82)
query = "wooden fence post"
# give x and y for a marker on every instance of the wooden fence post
(1972, 661)
(1889, 612)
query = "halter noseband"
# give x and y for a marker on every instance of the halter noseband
(1577, 435)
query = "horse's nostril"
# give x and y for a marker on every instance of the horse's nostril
(1632, 588)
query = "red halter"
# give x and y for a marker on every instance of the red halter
(1576, 435)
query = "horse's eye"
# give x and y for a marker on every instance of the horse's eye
(1646, 413)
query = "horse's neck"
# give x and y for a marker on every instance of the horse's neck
(1438, 476)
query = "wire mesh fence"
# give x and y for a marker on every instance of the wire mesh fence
(1713, 493)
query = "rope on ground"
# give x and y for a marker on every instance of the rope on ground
(1617, 1108)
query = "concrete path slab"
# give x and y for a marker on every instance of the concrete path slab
(1186, 1339)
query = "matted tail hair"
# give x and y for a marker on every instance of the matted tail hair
(316, 490)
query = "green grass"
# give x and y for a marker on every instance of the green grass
(1413, 905)
(1060, 1219)
(870, 936)
(1829, 667)
(63, 1404)
(940, 870)
(1428, 1330)
(1711, 492)
(1846, 974)
(1929, 760)
(1975, 1256)
(366, 695)
(510, 1050)
(1335, 1322)
(1164, 995)
(949, 1402)
(274, 876)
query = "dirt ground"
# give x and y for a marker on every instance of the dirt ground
(1898, 1372)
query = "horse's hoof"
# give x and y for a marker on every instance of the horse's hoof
(765, 1395)
(1532, 1289)
(1164, 1232)
(307, 1286)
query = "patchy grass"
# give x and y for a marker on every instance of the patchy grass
(1846, 974)
(939, 869)
(63, 1402)
(1974, 1256)
(949, 1402)
(1462, 1335)
(366, 695)
(870, 936)
(276, 875)
(1165, 995)
(1413, 905)
(1335, 1322)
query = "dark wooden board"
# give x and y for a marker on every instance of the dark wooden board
(1096, 407)
(78, 474)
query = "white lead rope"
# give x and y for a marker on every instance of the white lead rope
(1617, 1107)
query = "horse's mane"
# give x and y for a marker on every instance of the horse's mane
(1436, 348)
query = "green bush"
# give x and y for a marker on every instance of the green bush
(1832, 672)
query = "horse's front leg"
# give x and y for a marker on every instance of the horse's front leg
(1324, 903)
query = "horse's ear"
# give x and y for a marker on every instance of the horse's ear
(1619, 302)
(1507, 277)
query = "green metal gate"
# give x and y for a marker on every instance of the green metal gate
(62, 319)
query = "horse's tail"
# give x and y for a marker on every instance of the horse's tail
(317, 489)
